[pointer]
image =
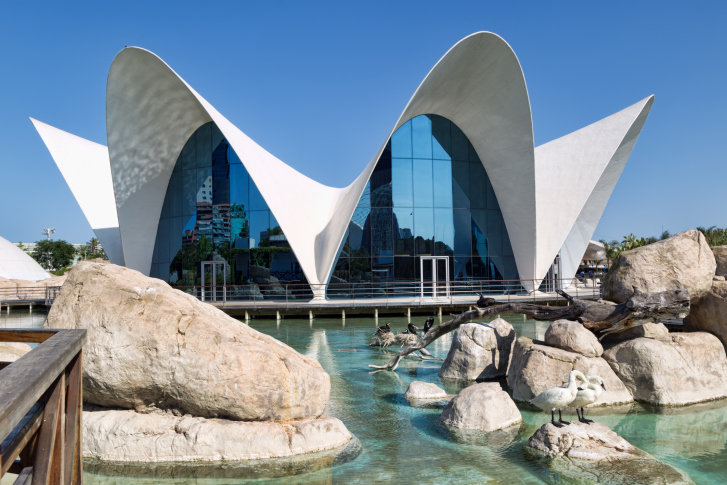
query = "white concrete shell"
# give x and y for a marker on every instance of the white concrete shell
(587, 163)
(16, 264)
(551, 197)
(86, 169)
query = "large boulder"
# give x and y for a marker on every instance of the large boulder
(122, 436)
(573, 337)
(592, 453)
(682, 368)
(484, 406)
(709, 314)
(424, 390)
(479, 351)
(535, 368)
(682, 261)
(12, 351)
(150, 346)
(720, 256)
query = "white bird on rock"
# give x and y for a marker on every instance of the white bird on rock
(559, 397)
(588, 395)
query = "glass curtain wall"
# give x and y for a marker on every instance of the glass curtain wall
(214, 212)
(429, 195)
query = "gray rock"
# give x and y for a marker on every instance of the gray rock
(709, 314)
(720, 255)
(682, 261)
(581, 453)
(535, 368)
(682, 369)
(573, 337)
(424, 390)
(114, 435)
(150, 346)
(479, 351)
(484, 406)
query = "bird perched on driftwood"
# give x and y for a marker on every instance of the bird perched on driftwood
(383, 329)
(588, 395)
(428, 324)
(559, 397)
(483, 302)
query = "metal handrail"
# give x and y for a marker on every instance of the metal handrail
(287, 294)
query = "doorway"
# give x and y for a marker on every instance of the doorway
(434, 276)
(210, 272)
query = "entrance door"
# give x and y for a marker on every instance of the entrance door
(434, 271)
(212, 273)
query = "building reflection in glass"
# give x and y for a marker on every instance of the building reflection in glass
(214, 212)
(429, 195)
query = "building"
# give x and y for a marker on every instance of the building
(16, 264)
(456, 194)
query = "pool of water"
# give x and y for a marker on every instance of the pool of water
(405, 444)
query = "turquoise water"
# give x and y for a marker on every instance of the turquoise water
(405, 444)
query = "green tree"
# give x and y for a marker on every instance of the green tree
(714, 235)
(53, 255)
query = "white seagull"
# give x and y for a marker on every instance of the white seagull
(559, 397)
(588, 395)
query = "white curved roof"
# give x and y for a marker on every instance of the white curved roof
(16, 264)
(551, 197)
(86, 169)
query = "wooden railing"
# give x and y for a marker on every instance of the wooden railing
(41, 402)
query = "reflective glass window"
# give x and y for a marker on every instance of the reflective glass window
(423, 231)
(421, 136)
(462, 232)
(423, 183)
(443, 232)
(403, 231)
(442, 183)
(478, 186)
(429, 194)
(460, 145)
(401, 142)
(257, 202)
(441, 139)
(461, 184)
(401, 182)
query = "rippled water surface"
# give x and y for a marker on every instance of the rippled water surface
(404, 444)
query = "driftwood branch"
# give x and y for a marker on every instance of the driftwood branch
(596, 316)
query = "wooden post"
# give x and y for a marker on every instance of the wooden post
(277, 315)
(310, 314)
(376, 314)
(247, 317)
(343, 314)
(72, 435)
(408, 314)
(49, 443)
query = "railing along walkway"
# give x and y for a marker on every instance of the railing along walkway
(41, 400)
(369, 294)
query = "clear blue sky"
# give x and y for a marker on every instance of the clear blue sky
(320, 85)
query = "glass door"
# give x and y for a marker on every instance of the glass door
(434, 279)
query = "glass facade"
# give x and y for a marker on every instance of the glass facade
(213, 212)
(429, 195)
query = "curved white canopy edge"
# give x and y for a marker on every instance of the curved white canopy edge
(586, 164)
(85, 167)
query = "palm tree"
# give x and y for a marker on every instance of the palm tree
(94, 244)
